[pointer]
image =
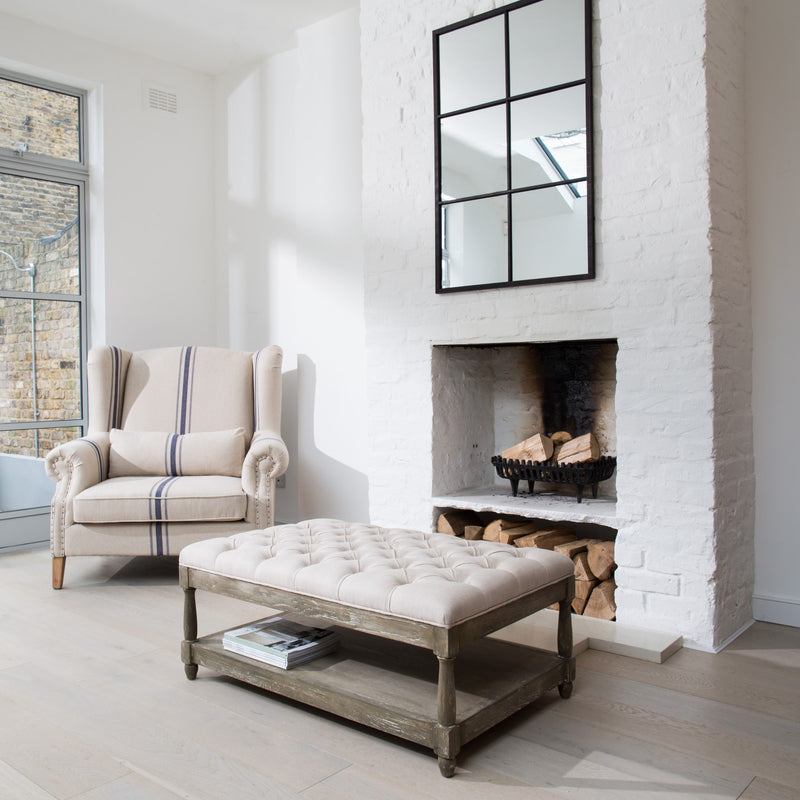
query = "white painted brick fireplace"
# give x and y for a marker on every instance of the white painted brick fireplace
(672, 289)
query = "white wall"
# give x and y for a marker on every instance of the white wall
(773, 133)
(152, 201)
(289, 252)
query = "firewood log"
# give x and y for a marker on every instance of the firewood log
(601, 601)
(582, 571)
(560, 437)
(601, 559)
(511, 535)
(576, 451)
(536, 448)
(473, 532)
(497, 526)
(582, 591)
(546, 539)
(571, 549)
(454, 522)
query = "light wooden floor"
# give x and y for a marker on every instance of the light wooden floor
(94, 704)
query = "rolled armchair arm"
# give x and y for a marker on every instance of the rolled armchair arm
(267, 458)
(84, 461)
(74, 466)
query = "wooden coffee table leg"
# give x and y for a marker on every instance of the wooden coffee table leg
(189, 631)
(565, 639)
(448, 743)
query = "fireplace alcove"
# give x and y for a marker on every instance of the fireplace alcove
(487, 397)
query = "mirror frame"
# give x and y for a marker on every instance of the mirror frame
(509, 192)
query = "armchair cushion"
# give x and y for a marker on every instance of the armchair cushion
(138, 453)
(193, 498)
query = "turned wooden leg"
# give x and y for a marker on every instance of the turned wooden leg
(565, 637)
(448, 734)
(447, 766)
(189, 632)
(59, 562)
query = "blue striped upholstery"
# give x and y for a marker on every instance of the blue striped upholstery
(184, 399)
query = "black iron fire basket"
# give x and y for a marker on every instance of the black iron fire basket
(589, 473)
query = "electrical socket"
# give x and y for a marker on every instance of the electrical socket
(280, 481)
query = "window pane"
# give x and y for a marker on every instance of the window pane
(40, 350)
(39, 235)
(39, 121)
(23, 483)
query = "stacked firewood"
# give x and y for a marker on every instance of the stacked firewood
(558, 448)
(593, 558)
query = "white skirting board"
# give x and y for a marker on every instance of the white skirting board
(780, 610)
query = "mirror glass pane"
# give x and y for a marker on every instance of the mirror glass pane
(472, 65)
(549, 233)
(474, 242)
(546, 45)
(474, 153)
(546, 130)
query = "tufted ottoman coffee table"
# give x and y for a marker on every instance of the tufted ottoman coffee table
(397, 595)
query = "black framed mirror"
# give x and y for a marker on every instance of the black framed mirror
(513, 128)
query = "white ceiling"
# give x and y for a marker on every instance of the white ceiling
(209, 36)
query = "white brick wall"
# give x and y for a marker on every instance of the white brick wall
(668, 266)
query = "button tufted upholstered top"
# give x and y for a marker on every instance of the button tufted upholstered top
(426, 577)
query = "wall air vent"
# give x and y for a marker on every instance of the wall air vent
(159, 98)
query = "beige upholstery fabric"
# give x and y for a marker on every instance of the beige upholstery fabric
(151, 453)
(184, 405)
(212, 390)
(143, 539)
(197, 498)
(426, 577)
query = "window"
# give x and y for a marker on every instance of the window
(43, 179)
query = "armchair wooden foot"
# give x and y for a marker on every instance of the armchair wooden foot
(59, 562)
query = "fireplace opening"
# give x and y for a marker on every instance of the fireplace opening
(487, 398)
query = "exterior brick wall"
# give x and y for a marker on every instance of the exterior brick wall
(39, 227)
(44, 121)
(670, 288)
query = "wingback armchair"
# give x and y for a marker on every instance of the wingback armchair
(183, 444)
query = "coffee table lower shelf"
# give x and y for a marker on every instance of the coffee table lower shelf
(392, 686)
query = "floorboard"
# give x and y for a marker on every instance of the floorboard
(95, 706)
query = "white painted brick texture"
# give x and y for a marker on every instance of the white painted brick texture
(668, 266)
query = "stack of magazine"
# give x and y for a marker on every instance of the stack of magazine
(280, 642)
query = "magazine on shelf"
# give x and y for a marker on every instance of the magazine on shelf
(280, 642)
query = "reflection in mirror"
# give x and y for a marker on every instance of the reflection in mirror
(546, 45)
(513, 130)
(473, 147)
(549, 233)
(472, 65)
(474, 248)
(539, 125)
